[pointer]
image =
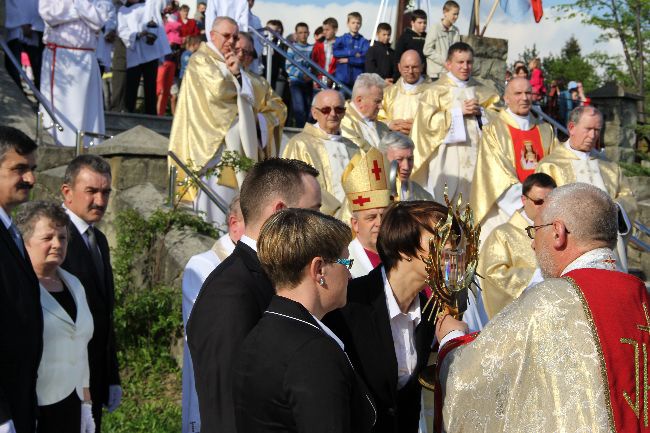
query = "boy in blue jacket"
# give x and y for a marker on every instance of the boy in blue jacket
(350, 52)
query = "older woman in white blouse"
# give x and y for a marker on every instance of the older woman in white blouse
(63, 374)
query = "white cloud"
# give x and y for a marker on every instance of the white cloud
(549, 35)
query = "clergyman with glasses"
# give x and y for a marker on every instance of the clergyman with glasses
(570, 354)
(322, 146)
(218, 110)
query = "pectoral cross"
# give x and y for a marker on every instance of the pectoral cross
(640, 393)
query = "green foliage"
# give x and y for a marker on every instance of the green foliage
(571, 66)
(528, 55)
(634, 169)
(147, 322)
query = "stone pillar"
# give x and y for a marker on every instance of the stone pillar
(620, 113)
(490, 58)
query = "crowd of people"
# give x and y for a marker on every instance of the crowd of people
(279, 336)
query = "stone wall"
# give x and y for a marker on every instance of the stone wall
(490, 58)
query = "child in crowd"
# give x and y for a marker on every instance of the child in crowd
(167, 69)
(350, 52)
(380, 58)
(521, 71)
(537, 79)
(323, 52)
(442, 34)
(299, 83)
(413, 38)
(192, 44)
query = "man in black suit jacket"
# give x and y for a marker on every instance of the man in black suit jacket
(364, 326)
(86, 189)
(21, 318)
(235, 295)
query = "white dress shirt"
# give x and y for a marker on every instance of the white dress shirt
(402, 327)
(81, 225)
(249, 241)
(5, 218)
(74, 23)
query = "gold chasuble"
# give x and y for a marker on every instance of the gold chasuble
(506, 156)
(569, 355)
(330, 155)
(207, 107)
(565, 167)
(364, 133)
(400, 103)
(411, 191)
(506, 263)
(442, 154)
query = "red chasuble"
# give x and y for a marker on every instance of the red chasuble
(617, 307)
(528, 150)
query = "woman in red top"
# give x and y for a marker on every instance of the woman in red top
(537, 79)
(188, 25)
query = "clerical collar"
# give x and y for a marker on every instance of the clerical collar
(249, 241)
(330, 137)
(600, 258)
(525, 215)
(409, 87)
(522, 121)
(458, 81)
(580, 154)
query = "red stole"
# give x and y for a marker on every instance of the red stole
(375, 260)
(617, 307)
(528, 150)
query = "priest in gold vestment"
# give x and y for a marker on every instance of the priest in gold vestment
(322, 146)
(399, 147)
(447, 127)
(401, 100)
(506, 261)
(566, 355)
(510, 149)
(577, 160)
(360, 124)
(220, 108)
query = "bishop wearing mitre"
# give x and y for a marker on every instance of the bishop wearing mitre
(222, 108)
(510, 149)
(402, 99)
(447, 127)
(323, 147)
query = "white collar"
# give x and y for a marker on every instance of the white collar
(408, 87)
(214, 48)
(528, 220)
(329, 332)
(600, 258)
(458, 81)
(330, 137)
(6, 219)
(365, 119)
(580, 154)
(522, 121)
(414, 313)
(80, 224)
(249, 241)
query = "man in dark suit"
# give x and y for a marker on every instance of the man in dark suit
(236, 294)
(86, 189)
(21, 318)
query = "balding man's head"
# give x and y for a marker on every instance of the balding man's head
(410, 66)
(224, 34)
(328, 108)
(519, 96)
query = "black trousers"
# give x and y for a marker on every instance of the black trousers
(118, 82)
(146, 71)
(35, 55)
(61, 417)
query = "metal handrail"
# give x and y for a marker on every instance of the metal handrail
(79, 148)
(642, 227)
(218, 201)
(37, 93)
(639, 244)
(284, 54)
(557, 125)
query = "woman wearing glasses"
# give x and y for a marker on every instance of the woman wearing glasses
(385, 333)
(292, 374)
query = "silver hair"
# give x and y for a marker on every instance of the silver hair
(219, 20)
(588, 213)
(576, 114)
(313, 100)
(396, 140)
(367, 81)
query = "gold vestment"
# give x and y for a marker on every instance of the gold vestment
(495, 167)
(352, 128)
(506, 263)
(415, 192)
(207, 107)
(559, 165)
(401, 104)
(433, 119)
(535, 367)
(309, 146)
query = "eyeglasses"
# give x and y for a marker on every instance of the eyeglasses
(531, 230)
(226, 36)
(538, 202)
(345, 262)
(327, 110)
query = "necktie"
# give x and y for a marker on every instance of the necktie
(94, 252)
(18, 239)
